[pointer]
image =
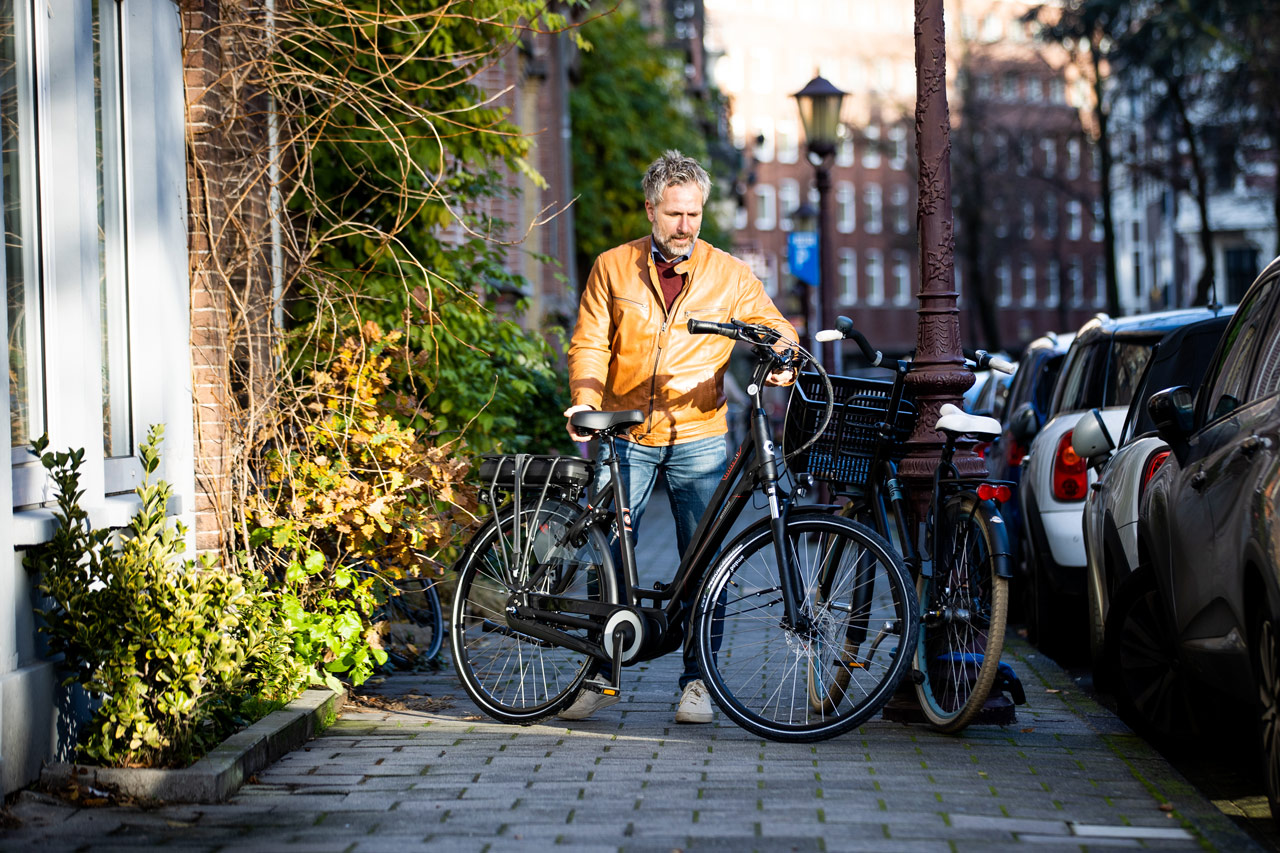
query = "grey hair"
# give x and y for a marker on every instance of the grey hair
(673, 169)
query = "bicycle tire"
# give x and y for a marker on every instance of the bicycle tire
(964, 610)
(859, 598)
(415, 623)
(510, 676)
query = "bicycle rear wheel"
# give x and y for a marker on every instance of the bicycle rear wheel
(964, 606)
(414, 623)
(831, 675)
(512, 676)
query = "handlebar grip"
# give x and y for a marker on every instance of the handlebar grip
(986, 360)
(845, 327)
(707, 327)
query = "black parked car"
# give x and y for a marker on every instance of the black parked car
(1203, 609)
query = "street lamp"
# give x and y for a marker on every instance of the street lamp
(819, 103)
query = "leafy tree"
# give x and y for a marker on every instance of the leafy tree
(629, 105)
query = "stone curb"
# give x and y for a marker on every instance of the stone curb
(218, 775)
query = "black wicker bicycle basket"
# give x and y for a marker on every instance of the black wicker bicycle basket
(843, 453)
(533, 473)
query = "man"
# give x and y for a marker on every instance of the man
(632, 349)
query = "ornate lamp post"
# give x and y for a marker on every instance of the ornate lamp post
(819, 102)
(940, 376)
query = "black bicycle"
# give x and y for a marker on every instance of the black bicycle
(800, 598)
(962, 570)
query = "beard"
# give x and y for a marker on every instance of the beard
(668, 246)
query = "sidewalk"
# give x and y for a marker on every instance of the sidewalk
(425, 771)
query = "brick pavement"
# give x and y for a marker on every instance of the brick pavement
(1067, 776)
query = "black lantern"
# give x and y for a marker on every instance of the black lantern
(819, 102)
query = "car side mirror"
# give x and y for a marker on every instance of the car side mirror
(1172, 411)
(1024, 424)
(1091, 440)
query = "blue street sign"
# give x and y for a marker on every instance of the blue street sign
(802, 256)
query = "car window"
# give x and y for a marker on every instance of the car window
(1128, 358)
(1179, 359)
(1083, 377)
(1267, 380)
(1228, 378)
(1043, 391)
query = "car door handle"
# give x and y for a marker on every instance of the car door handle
(1198, 479)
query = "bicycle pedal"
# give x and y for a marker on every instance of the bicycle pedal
(917, 677)
(602, 689)
(852, 664)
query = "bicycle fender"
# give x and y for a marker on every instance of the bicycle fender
(1001, 550)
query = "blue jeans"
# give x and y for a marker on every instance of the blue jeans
(691, 472)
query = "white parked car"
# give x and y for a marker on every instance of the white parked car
(1101, 371)
(1125, 462)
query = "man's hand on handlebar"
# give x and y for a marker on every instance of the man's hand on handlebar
(781, 376)
(573, 433)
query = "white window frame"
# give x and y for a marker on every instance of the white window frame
(898, 147)
(1095, 231)
(1028, 219)
(1049, 150)
(847, 271)
(875, 276)
(871, 147)
(873, 220)
(1075, 219)
(788, 141)
(788, 202)
(766, 198)
(1053, 283)
(901, 277)
(1073, 159)
(901, 204)
(1004, 283)
(846, 207)
(762, 140)
(1028, 282)
(1075, 281)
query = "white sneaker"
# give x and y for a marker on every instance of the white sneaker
(695, 703)
(589, 701)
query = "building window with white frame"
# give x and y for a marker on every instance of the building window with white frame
(1095, 163)
(875, 277)
(1049, 152)
(901, 202)
(738, 131)
(871, 147)
(983, 86)
(762, 140)
(788, 142)
(1095, 232)
(844, 148)
(1075, 219)
(846, 208)
(1035, 90)
(1057, 91)
(872, 220)
(741, 217)
(901, 277)
(1028, 282)
(1024, 156)
(788, 202)
(1002, 151)
(1075, 281)
(1000, 218)
(1050, 229)
(1009, 87)
(1028, 219)
(1100, 283)
(847, 269)
(1052, 283)
(1073, 159)
(1004, 283)
(766, 207)
(897, 147)
(21, 225)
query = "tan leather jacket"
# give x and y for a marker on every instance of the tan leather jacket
(629, 352)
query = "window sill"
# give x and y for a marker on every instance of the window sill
(37, 526)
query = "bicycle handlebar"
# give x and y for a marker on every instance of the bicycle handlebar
(844, 329)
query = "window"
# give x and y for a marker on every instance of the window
(1099, 283)
(871, 220)
(1075, 279)
(1050, 216)
(1057, 91)
(1004, 283)
(901, 277)
(1052, 283)
(1028, 282)
(871, 148)
(1095, 164)
(1073, 159)
(1028, 219)
(766, 208)
(788, 142)
(847, 269)
(762, 140)
(1035, 90)
(788, 202)
(897, 147)
(1049, 151)
(846, 207)
(21, 215)
(1000, 219)
(983, 86)
(738, 130)
(844, 149)
(1002, 152)
(1228, 379)
(1095, 232)
(1008, 87)
(741, 218)
(1075, 220)
(1024, 156)
(875, 277)
(901, 209)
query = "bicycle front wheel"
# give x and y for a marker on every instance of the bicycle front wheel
(964, 608)
(514, 677)
(840, 664)
(415, 623)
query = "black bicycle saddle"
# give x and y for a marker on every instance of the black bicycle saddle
(605, 421)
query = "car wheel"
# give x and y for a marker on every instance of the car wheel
(1146, 677)
(1267, 673)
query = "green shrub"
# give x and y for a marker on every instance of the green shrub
(162, 642)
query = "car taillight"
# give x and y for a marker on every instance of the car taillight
(982, 448)
(1153, 465)
(1015, 453)
(1070, 481)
